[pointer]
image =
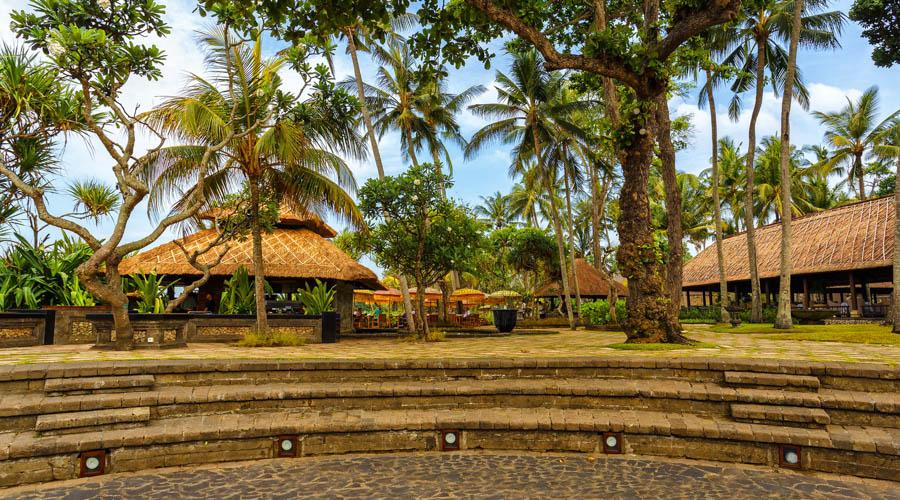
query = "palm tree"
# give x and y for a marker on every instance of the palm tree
(751, 44)
(770, 196)
(888, 149)
(494, 210)
(287, 154)
(530, 113)
(853, 133)
(527, 199)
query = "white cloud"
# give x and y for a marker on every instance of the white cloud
(805, 128)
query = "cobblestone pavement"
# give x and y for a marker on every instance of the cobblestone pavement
(564, 343)
(467, 476)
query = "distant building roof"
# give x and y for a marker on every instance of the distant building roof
(591, 283)
(854, 236)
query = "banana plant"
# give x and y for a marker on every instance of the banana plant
(318, 299)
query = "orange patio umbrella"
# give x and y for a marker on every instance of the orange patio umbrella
(432, 295)
(468, 296)
(389, 296)
(364, 296)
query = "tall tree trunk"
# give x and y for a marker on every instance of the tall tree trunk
(783, 319)
(259, 280)
(595, 216)
(571, 227)
(557, 228)
(895, 294)
(861, 177)
(649, 313)
(755, 303)
(674, 231)
(717, 208)
(376, 153)
(361, 94)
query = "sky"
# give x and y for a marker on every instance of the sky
(832, 77)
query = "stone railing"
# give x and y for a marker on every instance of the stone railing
(826, 417)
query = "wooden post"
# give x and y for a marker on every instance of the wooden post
(805, 293)
(703, 294)
(688, 294)
(854, 304)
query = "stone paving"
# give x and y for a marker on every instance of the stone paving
(564, 343)
(465, 475)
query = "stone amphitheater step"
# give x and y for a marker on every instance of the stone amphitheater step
(789, 415)
(18, 411)
(87, 385)
(92, 420)
(781, 380)
(352, 431)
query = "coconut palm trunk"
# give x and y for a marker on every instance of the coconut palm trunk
(895, 300)
(717, 207)
(783, 319)
(571, 231)
(755, 303)
(262, 320)
(557, 228)
(674, 231)
(595, 216)
(376, 154)
(860, 175)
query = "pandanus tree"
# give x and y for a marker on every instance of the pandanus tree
(530, 113)
(852, 133)
(287, 149)
(753, 45)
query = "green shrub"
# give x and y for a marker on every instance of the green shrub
(596, 313)
(239, 296)
(700, 315)
(768, 315)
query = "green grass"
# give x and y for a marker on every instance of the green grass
(661, 347)
(854, 334)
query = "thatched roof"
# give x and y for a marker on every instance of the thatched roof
(297, 248)
(591, 283)
(855, 236)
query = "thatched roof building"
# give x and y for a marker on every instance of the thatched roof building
(297, 249)
(832, 251)
(591, 283)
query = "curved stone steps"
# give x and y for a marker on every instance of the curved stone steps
(787, 415)
(17, 411)
(660, 433)
(91, 385)
(80, 420)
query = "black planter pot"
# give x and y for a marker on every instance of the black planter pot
(331, 327)
(504, 319)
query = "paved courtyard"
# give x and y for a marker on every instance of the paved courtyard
(466, 476)
(563, 343)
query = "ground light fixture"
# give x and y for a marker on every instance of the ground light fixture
(612, 443)
(93, 463)
(449, 440)
(286, 446)
(789, 456)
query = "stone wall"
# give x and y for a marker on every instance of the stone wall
(843, 418)
(22, 329)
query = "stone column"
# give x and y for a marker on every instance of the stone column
(343, 304)
(854, 304)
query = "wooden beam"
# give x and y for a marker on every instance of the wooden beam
(805, 293)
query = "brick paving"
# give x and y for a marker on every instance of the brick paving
(465, 475)
(564, 343)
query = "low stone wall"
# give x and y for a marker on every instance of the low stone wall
(19, 329)
(176, 330)
(839, 418)
(71, 325)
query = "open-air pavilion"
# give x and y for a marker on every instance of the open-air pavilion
(295, 253)
(592, 284)
(841, 260)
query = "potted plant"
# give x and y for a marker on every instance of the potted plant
(319, 301)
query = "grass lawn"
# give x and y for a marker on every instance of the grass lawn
(855, 334)
(661, 347)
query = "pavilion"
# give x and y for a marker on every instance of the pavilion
(841, 260)
(592, 284)
(296, 252)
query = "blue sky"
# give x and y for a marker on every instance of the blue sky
(831, 76)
